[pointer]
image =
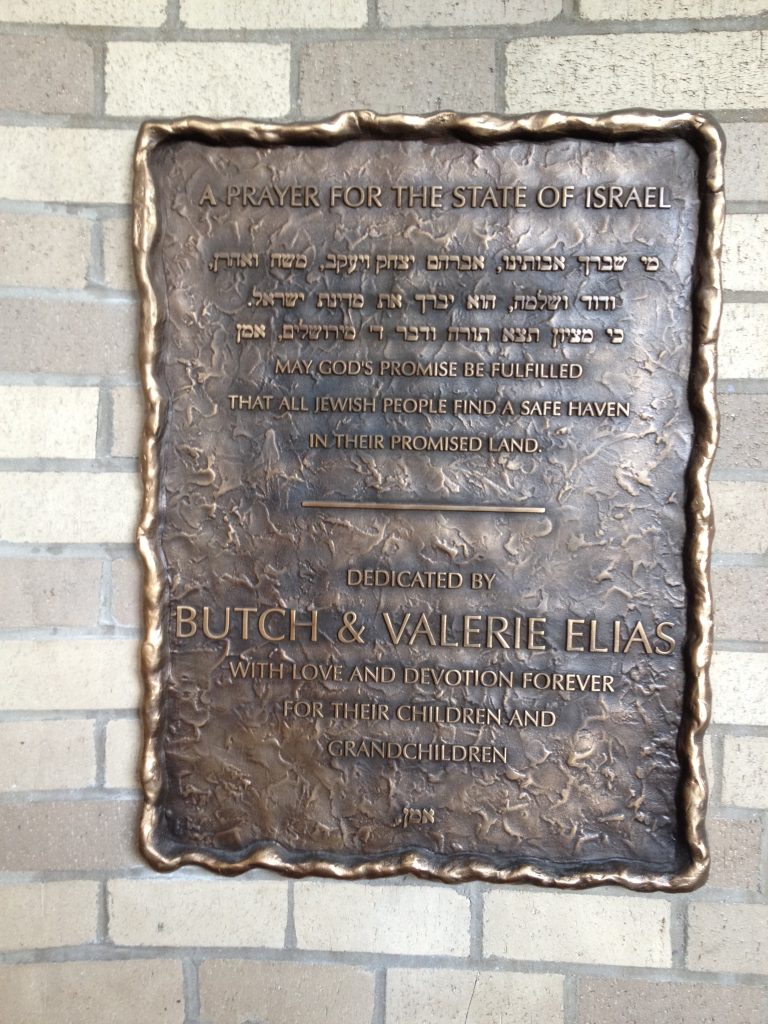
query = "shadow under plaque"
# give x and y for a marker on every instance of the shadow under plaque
(426, 526)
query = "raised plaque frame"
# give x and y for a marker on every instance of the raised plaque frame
(704, 136)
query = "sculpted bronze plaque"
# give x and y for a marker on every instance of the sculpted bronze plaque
(426, 526)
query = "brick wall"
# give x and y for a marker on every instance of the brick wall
(87, 931)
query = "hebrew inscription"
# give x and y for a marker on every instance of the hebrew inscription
(421, 532)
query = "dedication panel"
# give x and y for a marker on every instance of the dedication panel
(426, 526)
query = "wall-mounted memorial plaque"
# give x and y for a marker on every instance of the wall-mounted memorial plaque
(426, 526)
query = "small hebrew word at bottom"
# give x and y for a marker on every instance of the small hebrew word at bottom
(416, 816)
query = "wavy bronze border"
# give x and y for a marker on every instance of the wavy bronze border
(704, 135)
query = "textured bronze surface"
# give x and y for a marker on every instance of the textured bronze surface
(433, 400)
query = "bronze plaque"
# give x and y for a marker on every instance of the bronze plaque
(426, 529)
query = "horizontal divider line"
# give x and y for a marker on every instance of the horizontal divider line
(400, 506)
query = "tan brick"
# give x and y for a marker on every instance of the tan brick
(85, 12)
(639, 10)
(111, 992)
(46, 75)
(641, 1002)
(745, 241)
(343, 916)
(264, 14)
(741, 596)
(126, 591)
(740, 687)
(49, 592)
(233, 991)
(729, 937)
(746, 159)
(584, 929)
(41, 251)
(123, 754)
(743, 350)
(735, 847)
(41, 916)
(743, 344)
(709, 758)
(467, 12)
(75, 508)
(745, 772)
(127, 419)
(91, 337)
(604, 72)
(743, 432)
(379, 75)
(118, 255)
(69, 675)
(69, 835)
(215, 79)
(182, 912)
(737, 528)
(47, 755)
(66, 165)
(48, 422)
(426, 996)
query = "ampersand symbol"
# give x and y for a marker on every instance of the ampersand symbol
(348, 634)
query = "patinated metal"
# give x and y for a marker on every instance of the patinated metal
(426, 524)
